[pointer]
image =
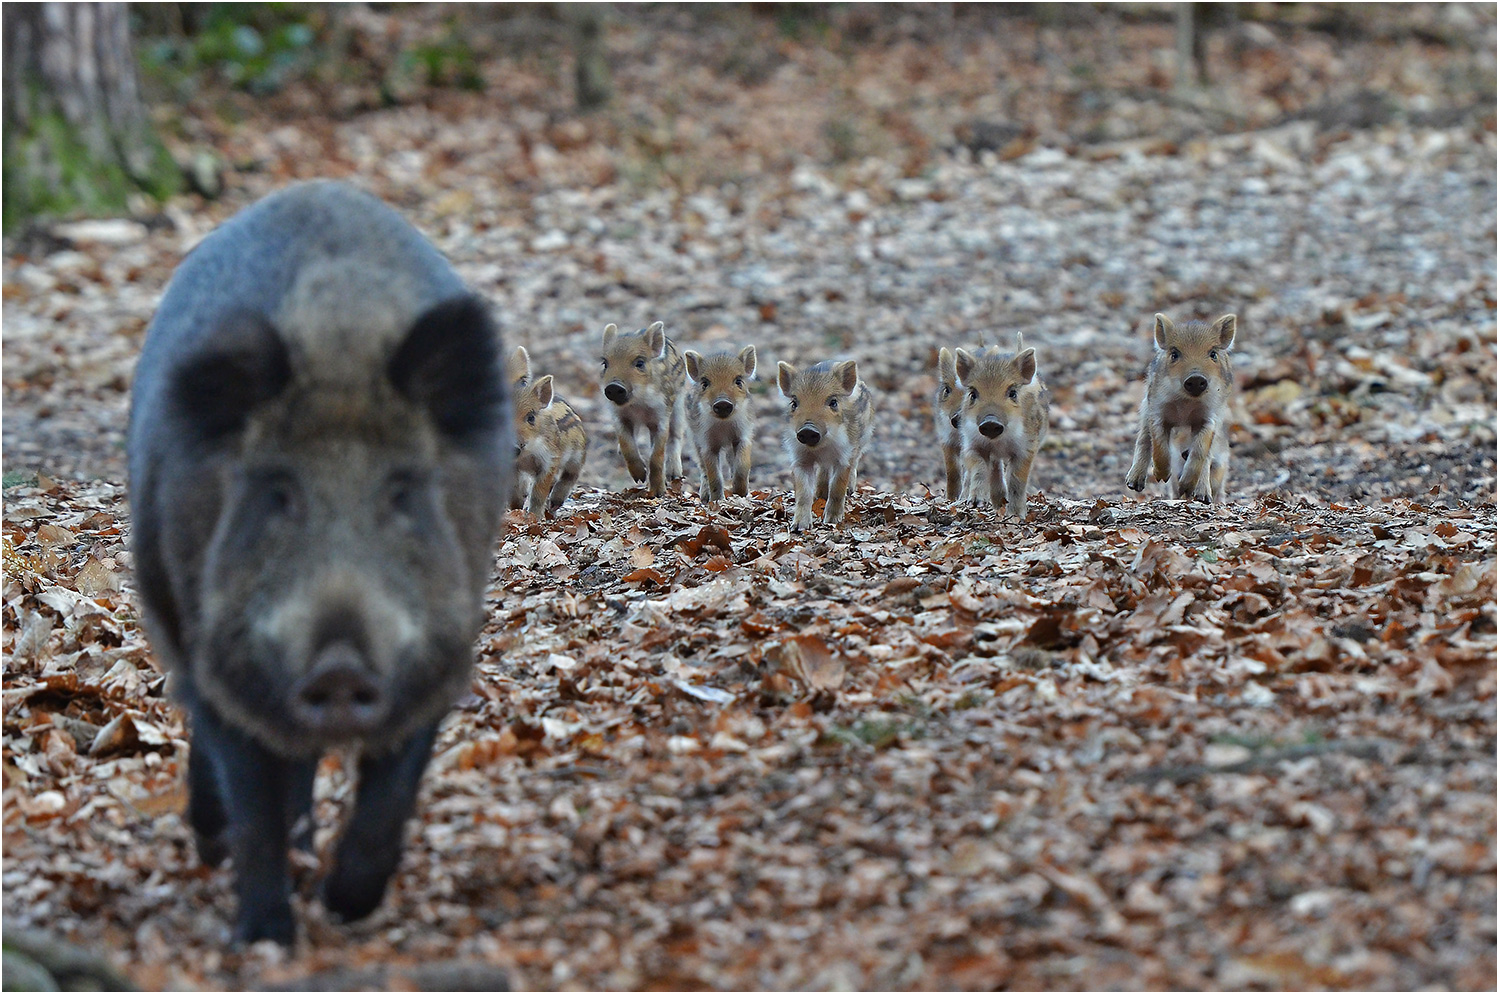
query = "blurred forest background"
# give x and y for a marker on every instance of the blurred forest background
(1128, 743)
(693, 95)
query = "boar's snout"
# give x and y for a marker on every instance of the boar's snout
(991, 428)
(809, 436)
(723, 408)
(616, 392)
(339, 697)
(1195, 384)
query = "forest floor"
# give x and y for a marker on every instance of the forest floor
(1127, 743)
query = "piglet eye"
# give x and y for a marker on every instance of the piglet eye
(531, 418)
(640, 364)
(604, 364)
(1175, 355)
(794, 404)
(833, 403)
(973, 394)
(1012, 394)
(738, 381)
(947, 390)
(706, 383)
(1213, 355)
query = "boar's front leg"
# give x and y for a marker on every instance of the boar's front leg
(253, 786)
(951, 465)
(803, 484)
(742, 468)
(633, 462)
(677, 429)
(1135, 479)
(1018, 475)
(838, 489)
(371, 847)
(1193, 480)
(656, 484)
(712, 488)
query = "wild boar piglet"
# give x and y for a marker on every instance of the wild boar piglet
(720, 416)
(641, 374)
(1184, 421)
(1003, 422)
(551, 443)
(830, 421)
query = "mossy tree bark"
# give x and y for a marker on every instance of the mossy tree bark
(77, 136)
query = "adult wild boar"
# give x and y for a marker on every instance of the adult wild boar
(320, 452)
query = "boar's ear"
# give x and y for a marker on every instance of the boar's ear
(784, 374)
(747, 359)
(947, 371)
(1163, 327)
(244, 365)
(610, 331)
(694, 363)
(543, 391)
(848, 374)
(1026, 365)
(1225, 329)
(656, 339)
(518, 368)
(449, 363)
(963, 363)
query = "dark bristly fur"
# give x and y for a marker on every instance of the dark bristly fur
(320, 447)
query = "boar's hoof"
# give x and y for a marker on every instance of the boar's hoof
(353, 894)
(212, 850)
(266, 924)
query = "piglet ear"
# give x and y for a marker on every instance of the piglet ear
(1224, 328)
(243, 365)
(747, 359)
(1026, 365)
(784, 374)
(1163, 327)
(518, 368)
(694, 363)
(947, 371)
(848, 374)
(610, 331)
(543, 391)
(449, 364)
(963, 363)
(656, 339)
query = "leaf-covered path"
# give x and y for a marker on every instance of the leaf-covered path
(1128, 743)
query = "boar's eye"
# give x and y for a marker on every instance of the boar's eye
(531, 417)
(640, 364)
(404, 491)
(973, 394)
(739, 381)
(273, 494)
(833, 403)
(707, 383)
(1012, 393)
(1174, 355)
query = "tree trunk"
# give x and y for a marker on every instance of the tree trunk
(591, 73)
(77, 137)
